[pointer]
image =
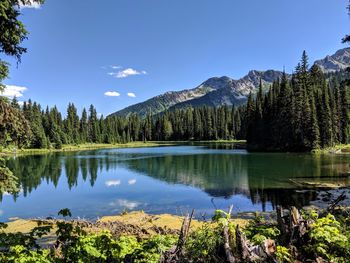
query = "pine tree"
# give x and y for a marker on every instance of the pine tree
(93, 126)
(344, 112)
(83, 127)
(325, 119)
(250, 120)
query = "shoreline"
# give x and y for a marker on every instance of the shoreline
(336, 150)
(94, 146)
(83, 147)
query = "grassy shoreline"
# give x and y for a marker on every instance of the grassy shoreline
(97, 146)
(337, 149)
(83, 147)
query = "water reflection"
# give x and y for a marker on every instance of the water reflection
(263, 178)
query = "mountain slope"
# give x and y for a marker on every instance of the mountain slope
(162, 102)
(235, 92)
(213, 92)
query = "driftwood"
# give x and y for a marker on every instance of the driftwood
(282, 223)
(242, 246)
(229, 255)
(333, 205)
(292, 226)
(264, 252)
(226, 233)
(176, 253)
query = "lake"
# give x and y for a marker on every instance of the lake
(166, 180)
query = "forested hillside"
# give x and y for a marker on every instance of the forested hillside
(308, 111)
(38, 128)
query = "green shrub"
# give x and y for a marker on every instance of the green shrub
(151, 249)
(258, 230)
(283, 255)
(203, 244)
(327, 239)
(126, 245)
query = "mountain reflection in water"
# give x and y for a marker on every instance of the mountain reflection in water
(264, 179)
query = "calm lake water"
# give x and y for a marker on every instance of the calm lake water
(165, 180)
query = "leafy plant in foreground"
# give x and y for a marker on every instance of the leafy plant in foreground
(327, 239)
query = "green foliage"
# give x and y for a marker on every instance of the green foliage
(73, 244)
(309, 214)
(99, 247)
(328, 239)
(283, 255)
(150, 250)
(12, 32)
(21, 254)
(258, 230)
(14, 127)
(221, 217)
(8, 181)
(126, 245)
(203, 244)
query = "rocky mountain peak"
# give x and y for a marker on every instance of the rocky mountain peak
(217, 82)
(339, 61)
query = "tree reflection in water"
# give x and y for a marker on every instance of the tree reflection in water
(223, 173)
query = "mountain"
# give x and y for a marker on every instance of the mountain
(213, 92)
(163, 102)
(339, 61)
(218, 91)
(235, 92)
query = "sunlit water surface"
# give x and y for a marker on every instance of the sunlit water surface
(165, 180)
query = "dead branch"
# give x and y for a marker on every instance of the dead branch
(176, 253)
(229, 255)
(340, 198)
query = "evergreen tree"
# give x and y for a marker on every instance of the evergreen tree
(83, 127)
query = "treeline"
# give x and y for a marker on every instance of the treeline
(304, 112)
(307, 110)
(33, 127)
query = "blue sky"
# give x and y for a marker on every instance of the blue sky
(80, 50)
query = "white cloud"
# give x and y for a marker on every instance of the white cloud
(13, 91)
(116, 67)
(132, 181)
(131, 94)
(31, 4)
(112, 94)
(123, 203)
(126, 73)
(112, 183)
